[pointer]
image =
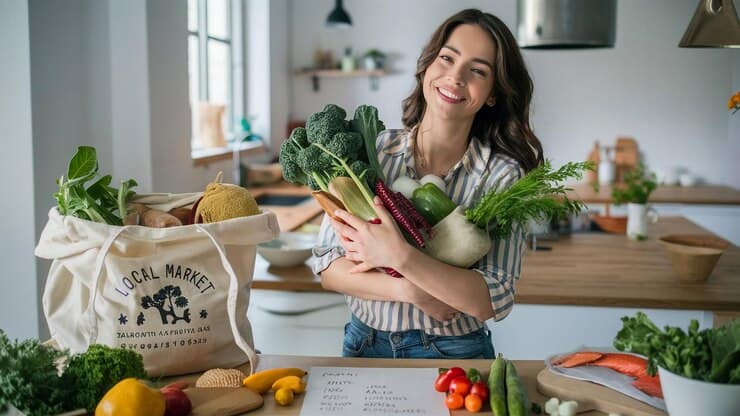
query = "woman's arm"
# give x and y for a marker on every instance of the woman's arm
(483, 293)
(370, 285)
(334, 269)
(462, 289)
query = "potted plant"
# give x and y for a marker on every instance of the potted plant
(699, 370)
(635, 193)
(374, 59)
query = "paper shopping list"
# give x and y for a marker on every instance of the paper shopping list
(349, 391)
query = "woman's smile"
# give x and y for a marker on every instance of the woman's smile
(449, 96)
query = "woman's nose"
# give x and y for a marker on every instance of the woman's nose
(456, 76)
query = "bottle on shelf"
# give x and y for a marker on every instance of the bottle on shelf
(348, 61)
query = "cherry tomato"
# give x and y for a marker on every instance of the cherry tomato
(473, 403)
(460, 385)
(443, 380)
(454, 401)
(480, 389)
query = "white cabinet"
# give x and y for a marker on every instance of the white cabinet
(298, 323)
(534, 332)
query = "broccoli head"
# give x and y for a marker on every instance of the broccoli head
(299, 137)
(322, 126)
(346, 145)
(291, 171)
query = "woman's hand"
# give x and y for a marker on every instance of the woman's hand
(370, 245)
(427, 303)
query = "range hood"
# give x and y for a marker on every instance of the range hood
(714, 25)
(566, 24)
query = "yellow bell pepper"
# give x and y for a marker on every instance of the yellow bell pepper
(131, 397)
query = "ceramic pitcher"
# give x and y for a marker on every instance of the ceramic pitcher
(638, 216)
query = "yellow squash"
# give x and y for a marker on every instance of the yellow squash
(293, 383)
(261, 382)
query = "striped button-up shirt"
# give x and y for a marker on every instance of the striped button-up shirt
(477, 172)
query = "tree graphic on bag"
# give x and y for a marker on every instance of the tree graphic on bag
(163, 299)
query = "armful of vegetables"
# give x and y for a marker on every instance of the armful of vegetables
(338, 157)
(464, 236)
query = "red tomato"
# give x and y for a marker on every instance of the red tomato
(473, 403)
(480, 389)
(443, 379)
(454, 401)
(460, 385)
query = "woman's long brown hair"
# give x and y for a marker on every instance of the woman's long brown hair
(505, 125)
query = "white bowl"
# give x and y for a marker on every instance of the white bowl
(289, 249)
(686, 397)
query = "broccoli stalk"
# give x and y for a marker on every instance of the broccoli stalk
(326, 149)
(361, 185)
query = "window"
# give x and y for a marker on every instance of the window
(215, 62)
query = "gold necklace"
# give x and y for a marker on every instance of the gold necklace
(420, 151)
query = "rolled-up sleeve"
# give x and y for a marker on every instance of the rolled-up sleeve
(502, 265)
(327, 248)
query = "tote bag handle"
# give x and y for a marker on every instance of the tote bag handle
(230, 300)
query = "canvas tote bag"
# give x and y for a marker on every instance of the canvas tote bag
(178, 296)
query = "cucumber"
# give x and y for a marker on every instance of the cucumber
(497, 386)
(516, 397)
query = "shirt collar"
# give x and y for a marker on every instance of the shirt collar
(473, 160)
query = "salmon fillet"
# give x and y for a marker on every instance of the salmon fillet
(579, 358)
(649, 385)
(627, 364)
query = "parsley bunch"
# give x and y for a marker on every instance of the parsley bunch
(29, 379)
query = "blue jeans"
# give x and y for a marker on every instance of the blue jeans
(361, 340)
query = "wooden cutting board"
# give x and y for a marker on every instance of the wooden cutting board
(592, 396)
(224, 401)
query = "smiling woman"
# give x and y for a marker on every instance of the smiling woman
(467, 121)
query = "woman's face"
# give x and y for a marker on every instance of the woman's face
(460, 79)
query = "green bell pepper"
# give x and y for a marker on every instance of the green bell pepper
(432, 203)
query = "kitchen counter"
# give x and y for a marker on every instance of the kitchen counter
(699, 194)
(293, 216)
(527, 370)
(589, 269)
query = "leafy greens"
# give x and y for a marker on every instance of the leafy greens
(539, 195)
(99, 202)
(711, 354)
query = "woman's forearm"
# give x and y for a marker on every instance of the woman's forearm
(462, 289)
(369, 285)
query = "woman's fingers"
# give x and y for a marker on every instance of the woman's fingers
(344, 230)
(350, 219)
(383, 213)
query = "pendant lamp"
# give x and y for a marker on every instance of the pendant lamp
(714, 25)
(338, 18)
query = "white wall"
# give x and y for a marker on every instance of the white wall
(672, 100)
(18, 312)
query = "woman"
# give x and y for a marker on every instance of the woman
(466, 121)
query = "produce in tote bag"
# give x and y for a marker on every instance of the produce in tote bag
(177, 295)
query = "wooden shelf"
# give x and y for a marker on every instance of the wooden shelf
(315, 74)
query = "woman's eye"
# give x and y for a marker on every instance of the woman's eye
(479, 72)
(445, 58)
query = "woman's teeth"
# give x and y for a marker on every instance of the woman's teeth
(449, 95)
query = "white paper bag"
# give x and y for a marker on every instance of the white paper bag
(178, 296)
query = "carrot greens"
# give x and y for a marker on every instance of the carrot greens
(539, 195)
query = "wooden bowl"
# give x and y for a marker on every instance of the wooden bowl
(693, 255)
(610, 224)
